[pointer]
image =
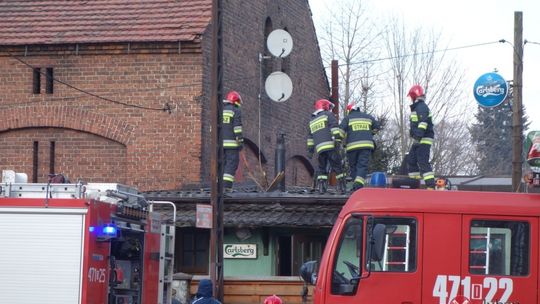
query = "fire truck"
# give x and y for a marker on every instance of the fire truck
(83, 243)
(393, 246)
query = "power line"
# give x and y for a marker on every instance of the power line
(166, 107)
(531, 42)
(426, 52)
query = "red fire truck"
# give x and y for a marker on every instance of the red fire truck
(87, 244)
(393, 246)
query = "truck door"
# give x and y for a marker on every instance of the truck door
(441, 263)
(394, 278)
(498, 264)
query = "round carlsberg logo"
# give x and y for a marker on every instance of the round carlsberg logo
(490, 90)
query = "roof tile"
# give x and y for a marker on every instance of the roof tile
(97, 21)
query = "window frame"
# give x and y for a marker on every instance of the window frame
(495, 221)
(202, 235)
(359, 240)
(413, 253)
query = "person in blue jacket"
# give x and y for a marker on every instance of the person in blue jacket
(204, 293)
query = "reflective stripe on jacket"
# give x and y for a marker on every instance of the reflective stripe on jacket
(359, 128)
(322, 130)
(421, 124)
(232, 126)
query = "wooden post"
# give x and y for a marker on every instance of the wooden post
(517, 109)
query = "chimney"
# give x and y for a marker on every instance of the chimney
(280, 160)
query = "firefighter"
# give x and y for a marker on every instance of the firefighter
(323, 136)
(233, 140)
(421, 130)
(359, 128)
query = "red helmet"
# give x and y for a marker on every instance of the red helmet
(415, 92)
(234, 98)
(350, 107)
(323, 104)
(273, 300)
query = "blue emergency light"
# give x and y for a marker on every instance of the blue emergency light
(105, 232)
(110, 230)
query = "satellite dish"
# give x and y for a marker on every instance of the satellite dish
(278, 86)
(279, 43)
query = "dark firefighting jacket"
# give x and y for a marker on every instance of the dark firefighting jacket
(421, 124)
(232, 127)
(322, 130)
(359, 128)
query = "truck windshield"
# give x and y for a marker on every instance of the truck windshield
(347, 259)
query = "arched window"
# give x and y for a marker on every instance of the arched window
(267, 63)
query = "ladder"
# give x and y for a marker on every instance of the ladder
(396, 250)
(484, 251)
(166, 256)
(43, 190)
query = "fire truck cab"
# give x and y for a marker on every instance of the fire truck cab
(393, 246)
(82, 243)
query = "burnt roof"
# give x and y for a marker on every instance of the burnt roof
(297, 207)
(101, 21)
(249, 208)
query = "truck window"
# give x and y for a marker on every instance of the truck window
(400, 245)
(347, 259)
(499, 248)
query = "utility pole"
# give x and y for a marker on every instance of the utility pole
(216, 162)
(517, 109)
(335, 88)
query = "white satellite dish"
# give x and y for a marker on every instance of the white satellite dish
(278, 86)
(279, 43)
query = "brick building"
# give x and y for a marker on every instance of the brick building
(118, 65)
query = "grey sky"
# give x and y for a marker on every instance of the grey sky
(466, 22)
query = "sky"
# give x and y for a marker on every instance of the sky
(470, 22)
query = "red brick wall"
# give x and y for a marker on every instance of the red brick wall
(243, 40)
(161, 150)
(167, 151)
(77, 155)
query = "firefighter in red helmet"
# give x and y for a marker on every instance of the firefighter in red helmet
(273, 300)
(233, 140)
(323, 133)
(359, 128)
(421, 130)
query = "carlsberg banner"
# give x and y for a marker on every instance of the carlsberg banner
(240, 251)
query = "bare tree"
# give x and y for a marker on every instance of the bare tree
(380, 63)
(417, 57)
(348, 35)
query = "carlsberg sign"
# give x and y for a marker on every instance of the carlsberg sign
(490, 90)
(240, 251)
